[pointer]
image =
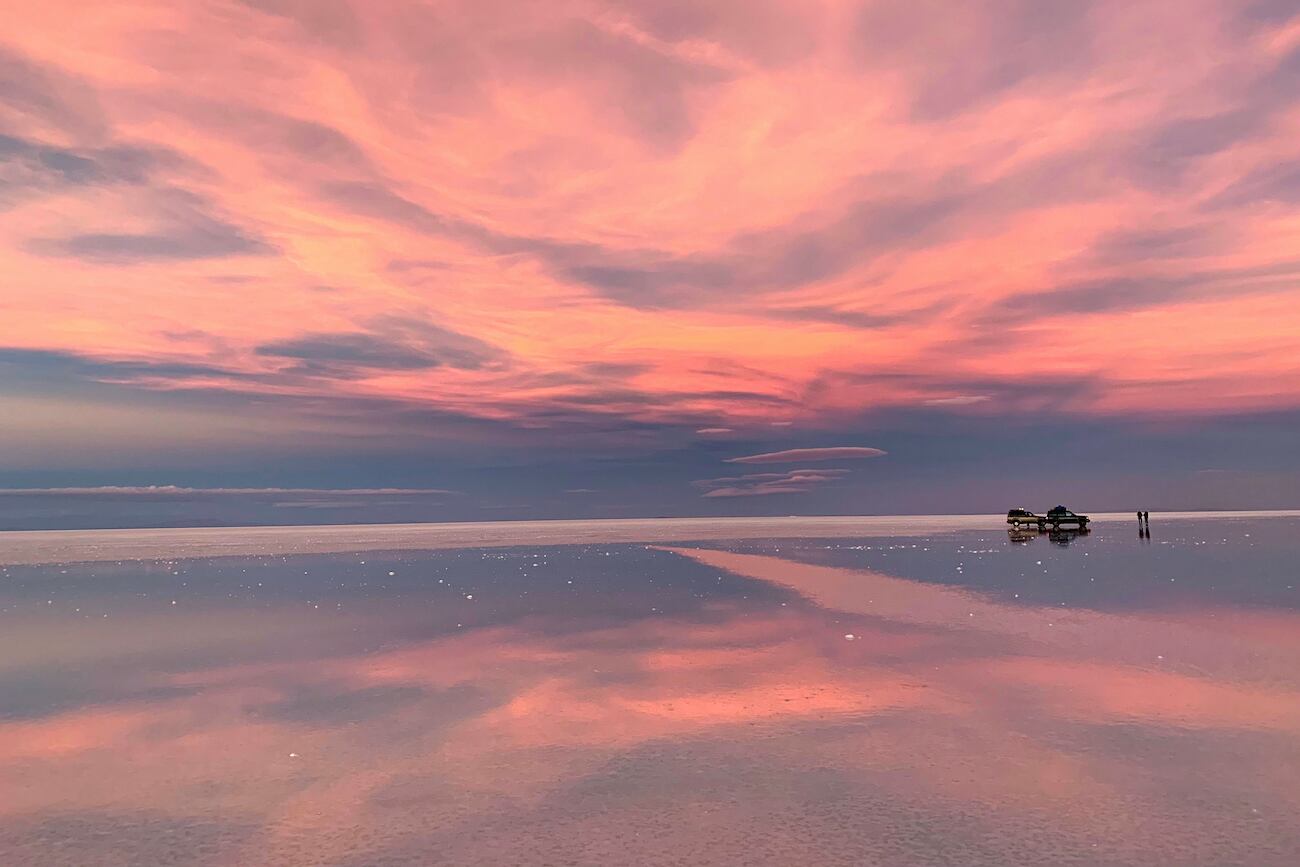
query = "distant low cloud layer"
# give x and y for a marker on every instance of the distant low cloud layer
(641, 226)
(180, 491)
(768, 484)
(789, 456)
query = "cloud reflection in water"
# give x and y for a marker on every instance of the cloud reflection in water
(693, 706)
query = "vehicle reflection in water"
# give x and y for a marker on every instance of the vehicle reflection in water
(1057, 535)
(1022, 535)
(637, 704)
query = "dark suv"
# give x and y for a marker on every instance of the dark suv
(1059, 515)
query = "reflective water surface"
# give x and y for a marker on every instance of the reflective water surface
(964, 698)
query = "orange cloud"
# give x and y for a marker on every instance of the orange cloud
(753, 213)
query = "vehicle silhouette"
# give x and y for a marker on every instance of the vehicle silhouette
(1056, 518)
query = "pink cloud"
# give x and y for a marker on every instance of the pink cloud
(957, 400)
(836, 453)
(754, 213)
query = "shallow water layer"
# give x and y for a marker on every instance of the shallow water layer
(956, 698)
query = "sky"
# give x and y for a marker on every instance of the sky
(292, 261)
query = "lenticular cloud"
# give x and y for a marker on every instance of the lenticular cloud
(837, 453)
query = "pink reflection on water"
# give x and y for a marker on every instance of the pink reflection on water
(949, 728)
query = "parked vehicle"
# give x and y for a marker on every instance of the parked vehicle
(1056, 517)
(1016, 517)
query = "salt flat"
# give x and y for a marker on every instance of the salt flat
(1016, 699)
(33, 547)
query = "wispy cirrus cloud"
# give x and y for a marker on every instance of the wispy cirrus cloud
(766, 213)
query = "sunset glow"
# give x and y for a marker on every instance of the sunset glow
(459, 230)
